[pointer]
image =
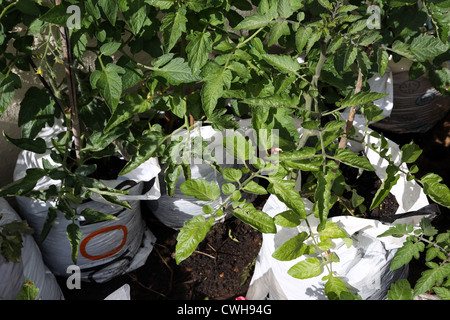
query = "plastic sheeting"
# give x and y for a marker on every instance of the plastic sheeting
(31, 266)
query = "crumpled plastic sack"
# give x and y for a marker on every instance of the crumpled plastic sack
(365, 266)
(108, 248)
(31, 266)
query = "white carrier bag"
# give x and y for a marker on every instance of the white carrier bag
(108, 248)
(31, 266)
(364, 267)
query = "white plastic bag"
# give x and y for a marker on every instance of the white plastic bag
(364, 267)
(108, 248)
(31, 266)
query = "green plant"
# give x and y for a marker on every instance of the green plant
(434, 245)
(11, 242)
(179, 64)
(28, 291)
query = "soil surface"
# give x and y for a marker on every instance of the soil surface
(220, 268)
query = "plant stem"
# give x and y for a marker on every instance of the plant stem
(68, 61)
(351, 115)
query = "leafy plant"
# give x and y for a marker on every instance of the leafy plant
(426, 241)
(11, 242)
(28, 291)
(163, 67)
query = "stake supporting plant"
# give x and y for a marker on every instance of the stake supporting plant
(70, 76)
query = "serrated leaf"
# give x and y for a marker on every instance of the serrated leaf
(400, 290)
(110, 8)
(253, 187)
(425, 47)
(254, 21)
(74, 234)
(198, 50)
(361, 98)
(284, 63)
(190, 236)
(442, 292)
(135, 15)
(303, 153)
(334, 287)
(382, 61)
(24, 185)
(398, 231)
(93, 216)
(322, 198)
(431, 278)
(437, 191)
(200, 189)
(258, 219)
(292, 248)
(216, 78)
(306, 269)
(176, 72)
(241, 148)
(173, 24)
(352, 159)
(232, 175)
(132, 105)
(389, 181)
(288, 219)
(301, 38)
(285, 192)
(34, 145)
(109, 84)
(405, 254)
(350, 56)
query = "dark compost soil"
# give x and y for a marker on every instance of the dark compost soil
(221, 267)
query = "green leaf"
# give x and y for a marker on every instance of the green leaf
(171, 174)
(162, 4)
(110, 8)
(253, 187)
(173, 24)
(48, 224)
(148, 145)
(405, 254)
(306, 269)
(110, 48)
(215, 78)
(398, 231)
(56, 15)
(28, 291)
(437, 191)
(322, 196)
(190, 236)
(176, 72)
(93, 216)
(132, 105)
(431, 277)
(241, 148)
(301, 38)
(288, 219)
(292, 248)
(389, 181)
(74, 234)
(232, 175)
(259, 220)
(24, 185)
(109, 83)
(361, 98)
(135, 13)
(200, 189)
(382, 61)
(7, 90)
(198, 50)
(37, 146)
(350, 56)
(285, 192)
(440, 79)
(442, 292)
(426, 47)
(274, 101)
(352, 159)
(284, 63)
(334, 287)
(277, 30)
(303, 153)
(400, 290)
(254, 21)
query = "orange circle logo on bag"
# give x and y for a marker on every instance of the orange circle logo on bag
(99, 232)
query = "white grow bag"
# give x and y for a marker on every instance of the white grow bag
(31, 266)
(108, 248)
(364, 267)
